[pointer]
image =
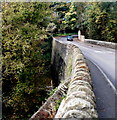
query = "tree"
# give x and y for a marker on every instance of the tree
(26, 58)
(92, 21)
(59, 10)
(109, 33)
(100, 21)
(70, 18)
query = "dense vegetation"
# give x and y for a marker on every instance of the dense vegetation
(96, 20)
(26, 58)
(26, 46)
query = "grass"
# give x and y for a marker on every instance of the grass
(58, 102)
(64, 34)
(52, 92)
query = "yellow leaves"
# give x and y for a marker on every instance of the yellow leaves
(64, 22)
(68, 14)
(26, 54)
(98, 20)
(113, 21)
(10, 102)
(7, 55)
(73, 19)
(42, 36)
(51, 27)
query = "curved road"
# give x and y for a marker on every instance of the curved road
(101, 62)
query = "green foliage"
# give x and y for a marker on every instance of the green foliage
(26, 58)
(52, 92)
(58, 102)
(70, 18)
(96, 20)
(110, 31)
(26, 46)
(93, 21)
(64, 34)
(59, 11)
(101, 21)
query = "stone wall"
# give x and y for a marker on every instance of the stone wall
(74, 91)
(48, 109)
(62, 58)
(102, 43)
(80, 99)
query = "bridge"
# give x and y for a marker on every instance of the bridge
(85, 76)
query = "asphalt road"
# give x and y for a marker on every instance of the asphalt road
(101, 62)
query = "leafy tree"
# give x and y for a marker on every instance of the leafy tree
(26, 46)
(26, 58)
(59, 11)
(80, 10)
(70, 18)
(92, 20)
(109, 33)
(100, 21)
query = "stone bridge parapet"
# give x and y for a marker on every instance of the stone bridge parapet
(102, 43)
(74, 91)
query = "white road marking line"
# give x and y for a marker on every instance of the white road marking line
(113, 87)
(99, 51)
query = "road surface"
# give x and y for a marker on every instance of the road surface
(101, 62)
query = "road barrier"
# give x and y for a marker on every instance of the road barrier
(80, 99)
(74, 95)
(102, 43)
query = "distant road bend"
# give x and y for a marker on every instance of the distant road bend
(101, 62)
